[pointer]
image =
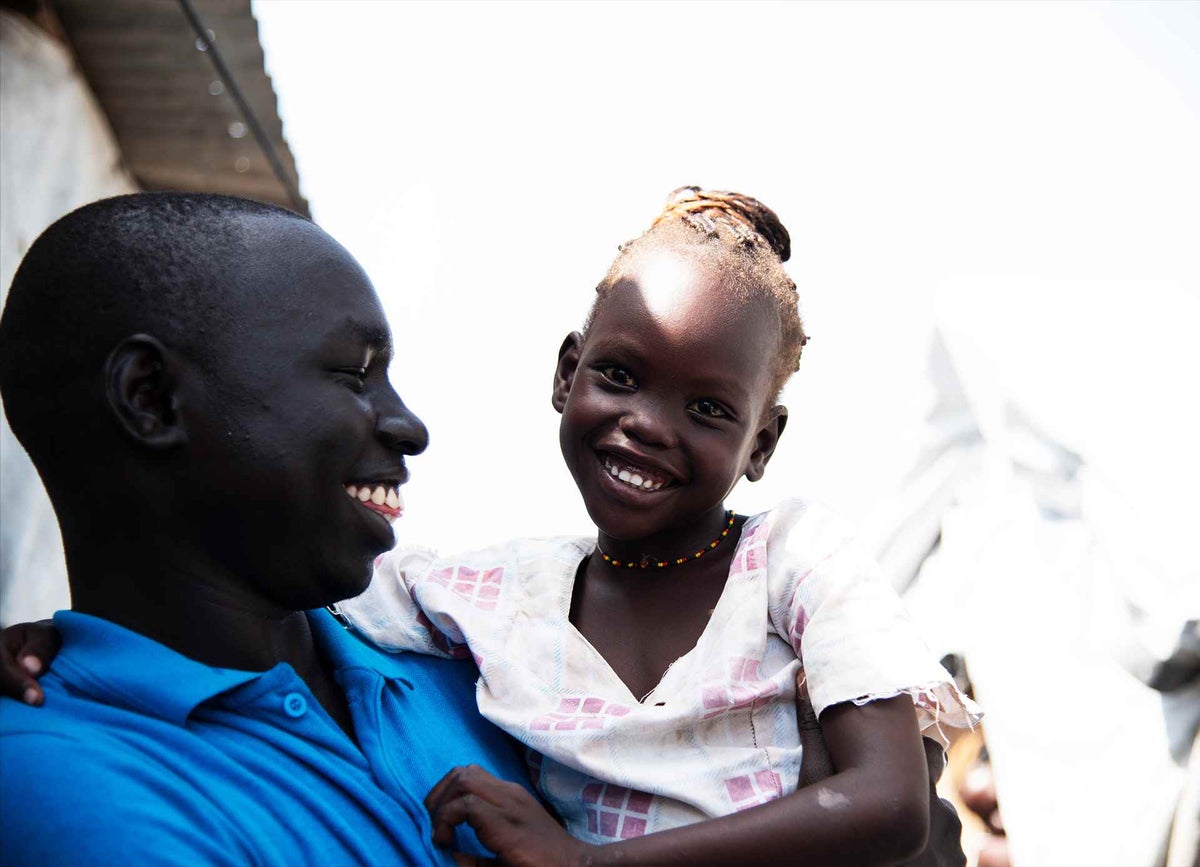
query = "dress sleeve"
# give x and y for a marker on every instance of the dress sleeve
(387, 615)
(848, 627)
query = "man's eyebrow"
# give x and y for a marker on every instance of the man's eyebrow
(376, 336)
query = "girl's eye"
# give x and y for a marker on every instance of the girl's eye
(618, 375)
(709, 409)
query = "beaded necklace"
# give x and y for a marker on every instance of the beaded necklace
(648, 562)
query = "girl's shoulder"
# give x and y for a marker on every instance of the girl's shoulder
(798, 534)
(515, 552)
(526, 561)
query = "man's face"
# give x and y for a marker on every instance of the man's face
(295, 432)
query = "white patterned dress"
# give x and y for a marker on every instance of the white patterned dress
(718, 733)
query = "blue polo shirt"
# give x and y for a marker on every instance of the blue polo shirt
(144, 756)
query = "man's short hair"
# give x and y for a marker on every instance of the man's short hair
(148, 262)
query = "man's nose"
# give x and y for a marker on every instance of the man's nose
(399, 428)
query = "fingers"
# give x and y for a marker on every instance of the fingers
(458, 797)
(507, 819)
(24, 651)
(461, 859)
(451, 813)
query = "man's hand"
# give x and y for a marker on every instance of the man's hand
(506, 818)
(26, 651)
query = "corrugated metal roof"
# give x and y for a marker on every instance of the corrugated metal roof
(178, 126)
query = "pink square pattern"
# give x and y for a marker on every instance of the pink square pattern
(751, 551)
(740, 687)
(616, 812)
(480, 587)
(753, 789)
(574, 714)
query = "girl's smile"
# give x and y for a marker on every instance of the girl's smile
(636, 476)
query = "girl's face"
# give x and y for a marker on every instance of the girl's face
(665, 403)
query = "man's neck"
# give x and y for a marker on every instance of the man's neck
(198, 610)
(227, 636)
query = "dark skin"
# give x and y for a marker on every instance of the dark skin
(671, 388)
(261, 437)
(874, 808)
(622, 612)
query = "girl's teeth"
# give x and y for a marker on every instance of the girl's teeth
(379, 496)
(632, 478)
(352, 490)
(364, 494)
(393, 498)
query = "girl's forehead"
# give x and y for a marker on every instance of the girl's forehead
(690, 324)
(681, 293)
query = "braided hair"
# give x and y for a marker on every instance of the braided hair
(737, 234)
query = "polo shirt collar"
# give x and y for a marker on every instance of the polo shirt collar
(124, 668)
(345, 649)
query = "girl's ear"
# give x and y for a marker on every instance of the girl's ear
(765, 442)
(564, 374)
(141, 379)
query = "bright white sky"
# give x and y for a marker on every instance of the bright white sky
(483, 161)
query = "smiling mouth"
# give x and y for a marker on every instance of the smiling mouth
(634, 476)
(383, 498)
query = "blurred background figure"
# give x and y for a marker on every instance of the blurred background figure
(1039, 538)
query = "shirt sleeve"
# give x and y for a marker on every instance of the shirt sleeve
(848, 627)
(387, 615)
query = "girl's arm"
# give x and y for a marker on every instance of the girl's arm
(873, 810)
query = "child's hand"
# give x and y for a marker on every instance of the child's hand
(26, 650)
(506, 818)
(815, 764)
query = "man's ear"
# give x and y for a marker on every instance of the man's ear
(764, 443)
(141, 382)
(564, 374)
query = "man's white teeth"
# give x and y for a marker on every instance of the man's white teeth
(380, 495)
(630, 477)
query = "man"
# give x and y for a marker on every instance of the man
(198, 380)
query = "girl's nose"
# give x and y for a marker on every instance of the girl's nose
(398, 428)
(647, 423)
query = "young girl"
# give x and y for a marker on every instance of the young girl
(651, 670)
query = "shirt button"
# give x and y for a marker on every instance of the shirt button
(294, 705)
